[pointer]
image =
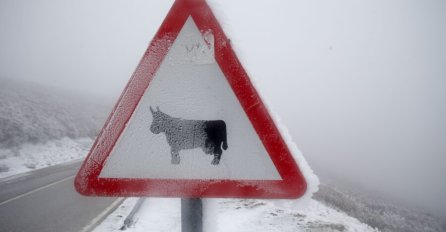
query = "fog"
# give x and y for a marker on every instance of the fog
(360, 85)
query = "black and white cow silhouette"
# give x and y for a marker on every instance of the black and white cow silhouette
(183, 134)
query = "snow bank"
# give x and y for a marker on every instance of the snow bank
(28, 157)
(261, 215)
(115, 220)
(234, 215)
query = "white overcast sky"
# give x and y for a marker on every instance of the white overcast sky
(360, 84)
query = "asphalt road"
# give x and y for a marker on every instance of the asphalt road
(45, 200)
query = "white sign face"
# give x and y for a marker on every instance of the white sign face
(186, 118)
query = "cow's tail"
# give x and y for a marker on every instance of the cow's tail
(225, 141)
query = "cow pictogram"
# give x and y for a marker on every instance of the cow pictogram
(209, 135)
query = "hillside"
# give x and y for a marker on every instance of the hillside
(35, 114)
(378, 211)
(40, 127)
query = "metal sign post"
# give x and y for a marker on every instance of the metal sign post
(191, 215)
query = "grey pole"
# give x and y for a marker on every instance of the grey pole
(191, 215)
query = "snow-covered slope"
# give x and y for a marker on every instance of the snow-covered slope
(28, 156)
(32, 114)
(40, 127)
(377, 211)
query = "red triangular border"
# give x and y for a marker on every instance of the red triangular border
(293, 183)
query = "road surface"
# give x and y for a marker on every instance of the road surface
(45, 200)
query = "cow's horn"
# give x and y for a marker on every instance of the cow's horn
(151, 110)
(158, 108)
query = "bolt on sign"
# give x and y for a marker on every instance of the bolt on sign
(190, 123)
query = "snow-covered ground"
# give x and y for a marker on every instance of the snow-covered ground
(28, 157)
(41, 127)
(332, 209)
(35, 114)
(237, 215)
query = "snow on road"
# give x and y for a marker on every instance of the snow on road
(28, 157)
(234, 215)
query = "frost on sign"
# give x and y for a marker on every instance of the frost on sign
(185, 121)
(190, 123)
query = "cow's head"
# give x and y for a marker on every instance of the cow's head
(158, 123)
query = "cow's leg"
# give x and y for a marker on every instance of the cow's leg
(175, 156)
(207, 148)
(217, 155)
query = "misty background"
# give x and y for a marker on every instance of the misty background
(361, 85)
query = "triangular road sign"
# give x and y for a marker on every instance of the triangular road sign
(190, 123)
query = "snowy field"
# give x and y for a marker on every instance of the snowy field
(233, 215)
